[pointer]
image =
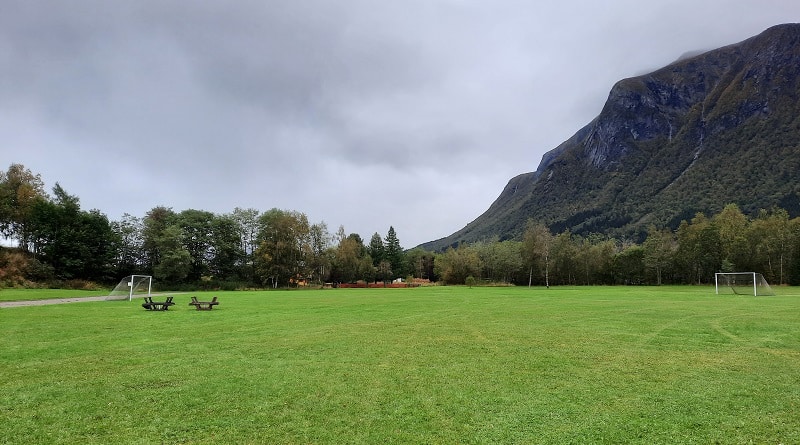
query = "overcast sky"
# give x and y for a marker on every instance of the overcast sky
(360, 113)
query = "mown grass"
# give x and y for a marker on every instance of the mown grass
(429, 365)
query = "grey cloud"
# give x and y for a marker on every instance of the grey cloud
(362, 113)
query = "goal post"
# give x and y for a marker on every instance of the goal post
(742, 283)
(130, 286)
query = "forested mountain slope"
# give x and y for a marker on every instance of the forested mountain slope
(716, 128)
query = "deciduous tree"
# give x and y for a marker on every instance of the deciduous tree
(350, 260)
(537, 242)
(421, 263)
(699, 248)
(154, 224)
(771, 239)
(174, 260)
(658, 251)
(732, 225)
(564, 258)
(320, 258)
(247, 220)
(197, 231)
(225, 254)
(283, 247)
(455, 265)
(20, 191)
(130, 257)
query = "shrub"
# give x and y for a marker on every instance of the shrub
(80, 285)
(470, 281)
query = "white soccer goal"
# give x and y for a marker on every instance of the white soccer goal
(742, 283)
(130, 286)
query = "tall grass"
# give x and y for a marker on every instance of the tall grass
(428, 365)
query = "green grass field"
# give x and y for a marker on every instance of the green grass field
(439, 365)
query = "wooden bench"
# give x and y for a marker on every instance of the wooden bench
(204, 305)
(151, 305)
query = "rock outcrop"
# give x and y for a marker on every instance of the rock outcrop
(710, 129)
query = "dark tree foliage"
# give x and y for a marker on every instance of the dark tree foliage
(351, 262)
(197, 233)
(629, 266)
(225, 253)
(421, 263)
(77, 244)
(155, 222)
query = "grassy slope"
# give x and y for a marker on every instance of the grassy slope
(429, 365)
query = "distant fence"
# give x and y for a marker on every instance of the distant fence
(375, 285)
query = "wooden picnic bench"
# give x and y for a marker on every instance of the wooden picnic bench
(151, 305)
(204, 305)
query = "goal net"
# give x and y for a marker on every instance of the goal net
(742, 283)
(130, 286)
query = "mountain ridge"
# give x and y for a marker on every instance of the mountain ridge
(712, 128)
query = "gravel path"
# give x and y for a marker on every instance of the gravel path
(50, 301)
(5, 304)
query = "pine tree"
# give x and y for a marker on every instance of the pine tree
(393, 253)
(376, 249)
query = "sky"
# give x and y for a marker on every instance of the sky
(364, 114)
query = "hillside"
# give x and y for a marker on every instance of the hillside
(710, 129)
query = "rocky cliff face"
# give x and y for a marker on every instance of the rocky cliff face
(714, 128)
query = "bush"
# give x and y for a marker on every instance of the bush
(470, 281)
(80, 285)
(12, 268)
(39, 272)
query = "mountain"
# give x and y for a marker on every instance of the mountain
(707, 130)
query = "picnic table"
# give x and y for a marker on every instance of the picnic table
(204, 305)
(151, 305)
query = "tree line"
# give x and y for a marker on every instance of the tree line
(729, 241)
(57, 242)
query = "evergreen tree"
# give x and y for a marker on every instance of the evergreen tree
(376, 249)
(394, 253)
